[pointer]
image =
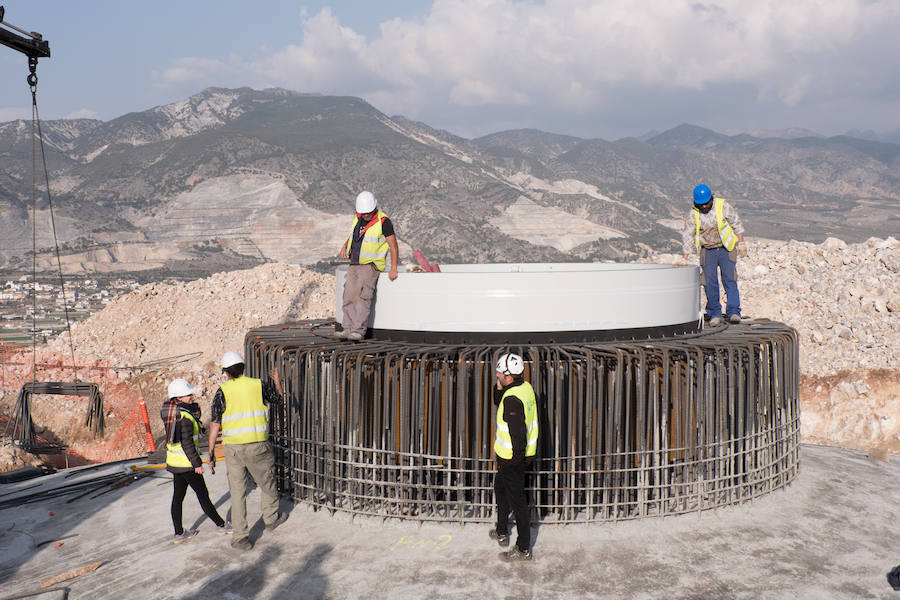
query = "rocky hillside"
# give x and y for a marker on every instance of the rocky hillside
(271, 175)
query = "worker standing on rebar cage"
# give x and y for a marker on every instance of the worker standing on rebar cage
(714, 230)
(515, 445)
(239, 408)
(367, 247)
(181, 417)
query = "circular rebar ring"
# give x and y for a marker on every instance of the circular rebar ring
(627, 429)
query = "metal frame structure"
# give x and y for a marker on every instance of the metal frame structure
(629, 429)
(21, 427)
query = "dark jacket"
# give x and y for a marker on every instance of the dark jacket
(183, 433)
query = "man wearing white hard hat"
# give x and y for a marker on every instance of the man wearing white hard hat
(240, 410)
(181, 417)
(370, 240)
(515, 445)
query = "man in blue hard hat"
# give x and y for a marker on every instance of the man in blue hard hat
(714, 231)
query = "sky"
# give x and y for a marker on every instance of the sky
(588, 68)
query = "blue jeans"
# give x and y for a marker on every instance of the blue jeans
(715, 260)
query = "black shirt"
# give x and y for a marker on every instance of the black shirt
(514, 415)
(183, 434)
(387, 229)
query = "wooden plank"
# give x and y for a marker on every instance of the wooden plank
(71, 574)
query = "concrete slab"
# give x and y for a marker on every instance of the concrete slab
(830, 534)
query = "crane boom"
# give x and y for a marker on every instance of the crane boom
(31, 44)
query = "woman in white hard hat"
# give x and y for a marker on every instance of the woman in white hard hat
(181, 416)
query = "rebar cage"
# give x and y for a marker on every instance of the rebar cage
(628, 429)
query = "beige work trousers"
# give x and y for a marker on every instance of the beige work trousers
(257, 461)
(359, 289)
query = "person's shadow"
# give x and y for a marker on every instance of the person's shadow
(893, 578)
(307, 582)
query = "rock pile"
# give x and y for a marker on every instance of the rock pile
(844, 299)
(161, 331)
(161, 321)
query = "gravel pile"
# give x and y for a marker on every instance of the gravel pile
(159, 321)
(843, 299)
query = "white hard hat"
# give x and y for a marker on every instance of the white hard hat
(230, 359)
(510, 364)
(179, 388)
(365, 202)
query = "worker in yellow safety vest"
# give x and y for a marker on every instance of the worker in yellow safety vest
(371, 238)
(181, 418)
(714, 231)
(240, 411)
(515, 445)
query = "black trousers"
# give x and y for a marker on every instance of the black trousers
(509, 492)
(198, 484)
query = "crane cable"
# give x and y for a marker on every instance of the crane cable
(37, 136)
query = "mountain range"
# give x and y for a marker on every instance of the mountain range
(231, 177)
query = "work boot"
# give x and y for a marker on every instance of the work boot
(355, 336)
(184, 536)
(225, 529)
(715, 321)
(502, 539)
(515, 554)
(342, 334)
(734, 319)
(282, 517)
(242, 544)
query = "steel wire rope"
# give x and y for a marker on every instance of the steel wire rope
(36, 120)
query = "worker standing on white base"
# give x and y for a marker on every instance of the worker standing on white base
(715, 231)
(370, 240)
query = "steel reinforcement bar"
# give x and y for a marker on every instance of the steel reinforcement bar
(627, 429)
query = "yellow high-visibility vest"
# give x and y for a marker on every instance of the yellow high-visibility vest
(502, 442)
(175, 456)
(374, 246)
(729, 239)
(246, 418)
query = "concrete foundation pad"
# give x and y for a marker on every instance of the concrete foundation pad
(830, 534)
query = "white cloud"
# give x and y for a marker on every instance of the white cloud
(13, 114)
(584, 56)
(83, 113)
(190, 70)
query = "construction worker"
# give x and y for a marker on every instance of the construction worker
(239, 408)
(182, 422)
(714, 230)
(370, 239)
(515, 445)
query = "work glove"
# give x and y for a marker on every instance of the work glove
(742, 250)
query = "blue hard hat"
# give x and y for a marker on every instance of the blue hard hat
(702, 194)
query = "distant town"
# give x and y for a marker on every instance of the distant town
(36, 310)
